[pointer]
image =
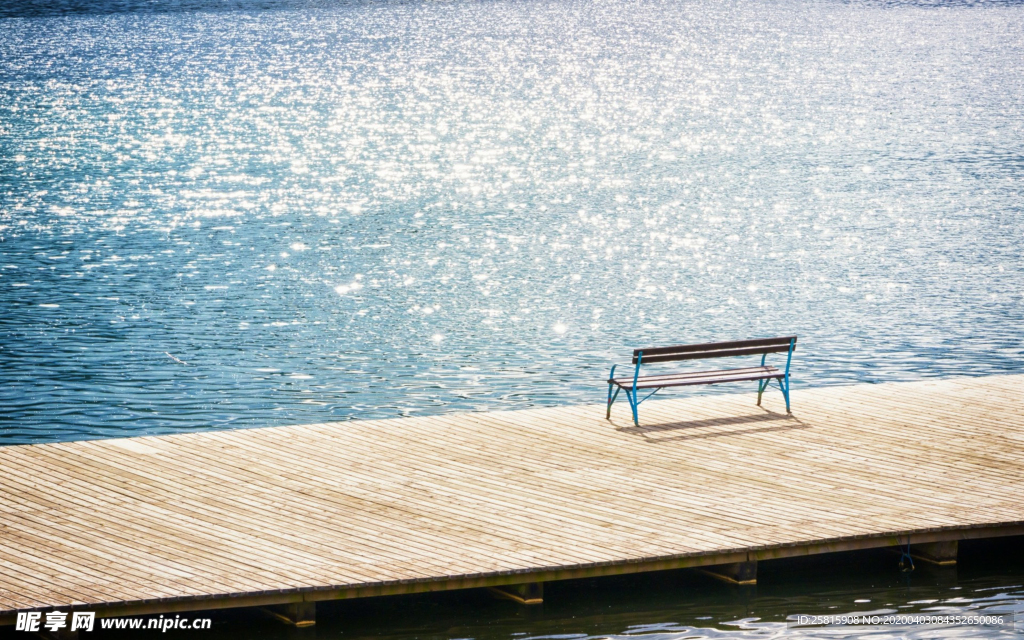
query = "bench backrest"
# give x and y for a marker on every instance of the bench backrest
(715, 350)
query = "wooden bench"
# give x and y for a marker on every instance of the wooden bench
(763, 374)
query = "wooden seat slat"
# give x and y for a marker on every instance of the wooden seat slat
(694, 382)
(736, 375)
(711, 353)
(699, 374)
(711, 346)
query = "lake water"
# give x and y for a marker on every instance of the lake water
(228, 214)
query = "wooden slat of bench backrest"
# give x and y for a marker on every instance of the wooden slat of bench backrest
(714, 350)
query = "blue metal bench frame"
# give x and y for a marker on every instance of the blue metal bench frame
(763, 374)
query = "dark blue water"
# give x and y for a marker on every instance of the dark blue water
(240, 214)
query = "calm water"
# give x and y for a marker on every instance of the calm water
(226, 214)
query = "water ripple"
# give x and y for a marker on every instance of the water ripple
(223, 218)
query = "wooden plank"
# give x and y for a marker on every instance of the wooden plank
(717, 346)
(699, 378)
(628, 380)
(704, 355)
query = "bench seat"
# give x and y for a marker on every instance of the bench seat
(652, 384)
(699, 377)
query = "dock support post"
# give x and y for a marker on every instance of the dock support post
(940, 553)
(744, 573)
(528, 593)
(300, 614)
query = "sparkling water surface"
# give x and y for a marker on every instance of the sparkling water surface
(241, 214)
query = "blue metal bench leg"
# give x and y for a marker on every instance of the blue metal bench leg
(634, 405)
(611, 401)
(611, 398)
(785, 386)
(634, 398)
(761, 384)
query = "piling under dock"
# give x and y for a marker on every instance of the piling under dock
(376, 507)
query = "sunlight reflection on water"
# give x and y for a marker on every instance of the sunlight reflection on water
(366, 210)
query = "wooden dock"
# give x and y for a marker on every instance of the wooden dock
(325, 511)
